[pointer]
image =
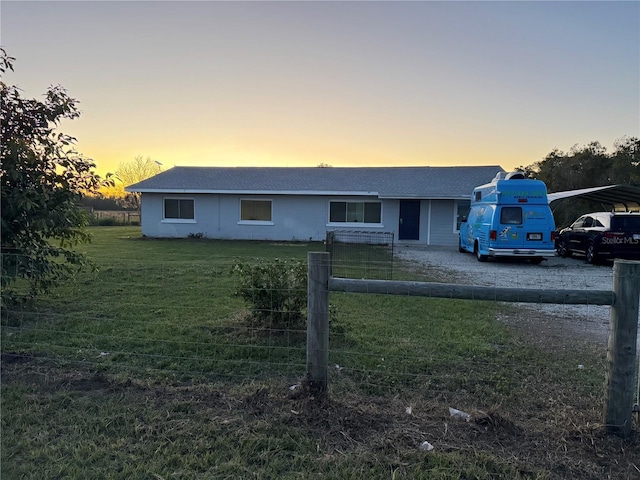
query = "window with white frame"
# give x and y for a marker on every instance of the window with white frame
(462, 211)
(355, 212)
(179, 209)
(255, 210)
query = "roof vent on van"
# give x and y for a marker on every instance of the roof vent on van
(515, 176)
(499, 176)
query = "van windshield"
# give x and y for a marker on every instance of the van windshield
(511, 216)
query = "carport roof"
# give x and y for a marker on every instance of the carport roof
(384, 182)
(620, 197)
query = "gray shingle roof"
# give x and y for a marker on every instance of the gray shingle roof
(385, 182)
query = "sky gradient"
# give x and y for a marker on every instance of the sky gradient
(341, 83)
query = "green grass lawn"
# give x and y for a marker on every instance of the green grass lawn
(150, 367)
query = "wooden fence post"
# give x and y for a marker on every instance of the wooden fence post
(318, 322)
(621, 351)
(329, 246)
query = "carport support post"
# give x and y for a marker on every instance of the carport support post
(621, 352)
(318, 322)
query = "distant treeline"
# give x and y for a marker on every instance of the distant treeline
(584, 167)
(589, 166)
(100, 202)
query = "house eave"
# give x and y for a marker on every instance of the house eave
(191, 191)
(332, 193)
(425, 197)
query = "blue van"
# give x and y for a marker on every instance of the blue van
(509, 217)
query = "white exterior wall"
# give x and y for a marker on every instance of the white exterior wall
(294, 218)
(437, 225)
(442, 229)
(218, 216)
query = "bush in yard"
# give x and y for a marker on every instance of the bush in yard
(277, 291)
(107, 222)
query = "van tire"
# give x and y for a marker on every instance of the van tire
(479, 256)
(460, 249)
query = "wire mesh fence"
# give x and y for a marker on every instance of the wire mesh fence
(115, 217)
(174, 319)
(187, 318)
(361, 254)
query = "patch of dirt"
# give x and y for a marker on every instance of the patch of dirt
(551, 331)
(551, 436)
(385, 425)
(9, 358)
(97, 381)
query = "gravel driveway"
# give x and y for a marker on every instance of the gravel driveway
(590, 321)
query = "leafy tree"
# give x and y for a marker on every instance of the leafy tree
(584, 167)
(589, 166)
(42, 179)
(626, 161)
(131, 172)
(100, 202)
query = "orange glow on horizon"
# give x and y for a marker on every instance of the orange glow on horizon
(107, 161)
(105, 165)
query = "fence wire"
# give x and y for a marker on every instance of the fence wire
(361, 254)
(183, 319)
(186, 319)
(398, 365)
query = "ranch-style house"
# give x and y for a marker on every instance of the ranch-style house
(419, 205)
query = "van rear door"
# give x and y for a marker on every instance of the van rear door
(538, 226)
(510, 229)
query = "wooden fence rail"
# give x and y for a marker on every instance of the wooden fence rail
(472, 292)
(624, 300)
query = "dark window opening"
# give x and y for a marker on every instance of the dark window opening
(355, 212)
(511, 216)
(179, 208)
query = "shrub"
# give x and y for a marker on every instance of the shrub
(277, 291)
(107, 222)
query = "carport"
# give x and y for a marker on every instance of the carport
(622, 198)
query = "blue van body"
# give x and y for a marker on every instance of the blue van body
(509, 217)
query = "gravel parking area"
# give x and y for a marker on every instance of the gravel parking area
(588, 321)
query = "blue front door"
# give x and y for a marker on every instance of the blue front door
(409, 226)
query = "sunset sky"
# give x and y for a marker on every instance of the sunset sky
(342, 83)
